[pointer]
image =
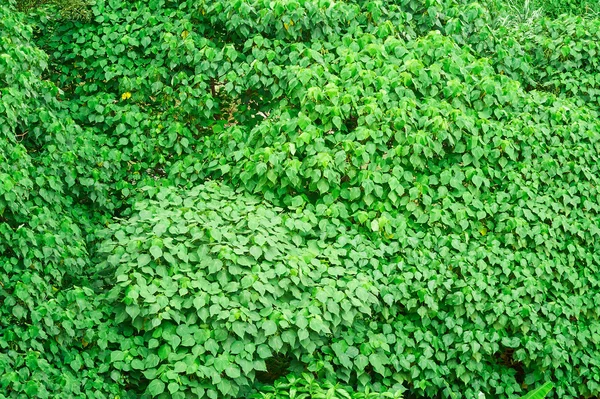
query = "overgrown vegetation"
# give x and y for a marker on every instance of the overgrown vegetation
(327, 199)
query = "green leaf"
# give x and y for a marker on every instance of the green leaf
(378, 362)
(301, 322)
(270, 327)
(255, 251)
(173, 387)
(143, 260)
(232, 372)
(117, 356)
(540, 392)
(156, 387)
(323, 186)
(263, 351)
(155, 251)
(133, 311)
(361, 362)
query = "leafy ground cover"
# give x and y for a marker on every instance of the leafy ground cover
(320, 198)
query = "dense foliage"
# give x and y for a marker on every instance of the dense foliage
(554, 8)
(251, 198)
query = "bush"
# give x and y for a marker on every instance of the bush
(559, 56)
(212, 199)
(218, 286)
(554, 8)
(307, 387)
(46, 311)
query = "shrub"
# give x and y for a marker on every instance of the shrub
(559, 56)
(307, 387)
(202, 198)
(45, 311)
(554, 8)
(218, 286)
